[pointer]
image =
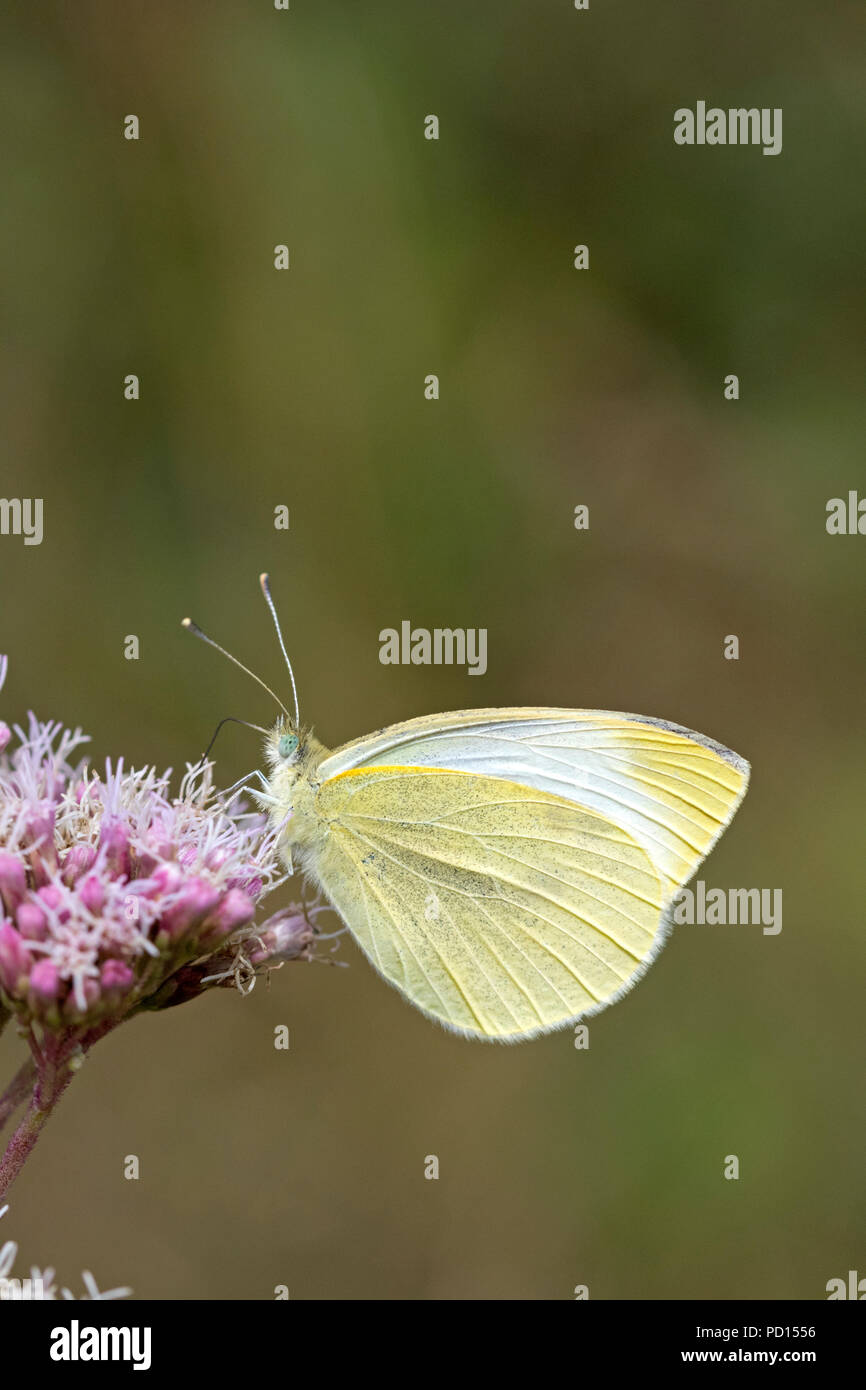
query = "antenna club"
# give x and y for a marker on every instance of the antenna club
(263, 580)
(197, 632)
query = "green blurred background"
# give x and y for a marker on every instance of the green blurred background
(305, 388)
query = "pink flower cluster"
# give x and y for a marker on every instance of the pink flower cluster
(116, 896)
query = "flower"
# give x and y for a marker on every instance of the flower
(116, 896)
(5, 731)
(40, 1282)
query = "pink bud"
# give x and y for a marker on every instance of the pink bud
(78, 861)
(196, 900)
(5, 735)
(32, 922)
(45, 981)
(53, 898)
(115, 975)
(114, 849)
(15, 960)
(92, 894)
(39, 832)
(13, 881)
(167, 878)
(234, 911)
(283, 937)
(159, 839)
(44, 994)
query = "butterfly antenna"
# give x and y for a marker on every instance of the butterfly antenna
(197, 632)
(266, 590)
(230, 719)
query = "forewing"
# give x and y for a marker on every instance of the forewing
(671, 789)
(501, 910)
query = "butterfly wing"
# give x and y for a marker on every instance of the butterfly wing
(500, 910)
(671, 789)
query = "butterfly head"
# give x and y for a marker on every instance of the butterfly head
(290, 752)
(288, 746)
(284, 750)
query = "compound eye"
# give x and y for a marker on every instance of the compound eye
(287, 745)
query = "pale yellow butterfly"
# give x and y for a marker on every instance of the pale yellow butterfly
(510, 871)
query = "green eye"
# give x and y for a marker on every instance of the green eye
(287, 745)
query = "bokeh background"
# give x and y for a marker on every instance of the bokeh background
(305, 388)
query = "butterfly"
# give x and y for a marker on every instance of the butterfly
(510, 871)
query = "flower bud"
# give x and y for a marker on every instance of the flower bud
(234, 910)
(195, 900)
(159, 844)
(78, 861)
(39, 835)
(115, 975)
(45, 981)
(31, 922)
(114, 849)
(43, 998)
(92, 894)
(167, 878)
(15, 961)
(13, 881)
(54, 899)
(285, 936)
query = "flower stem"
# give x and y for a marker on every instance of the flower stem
(17, 1091)
(52, 1078)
